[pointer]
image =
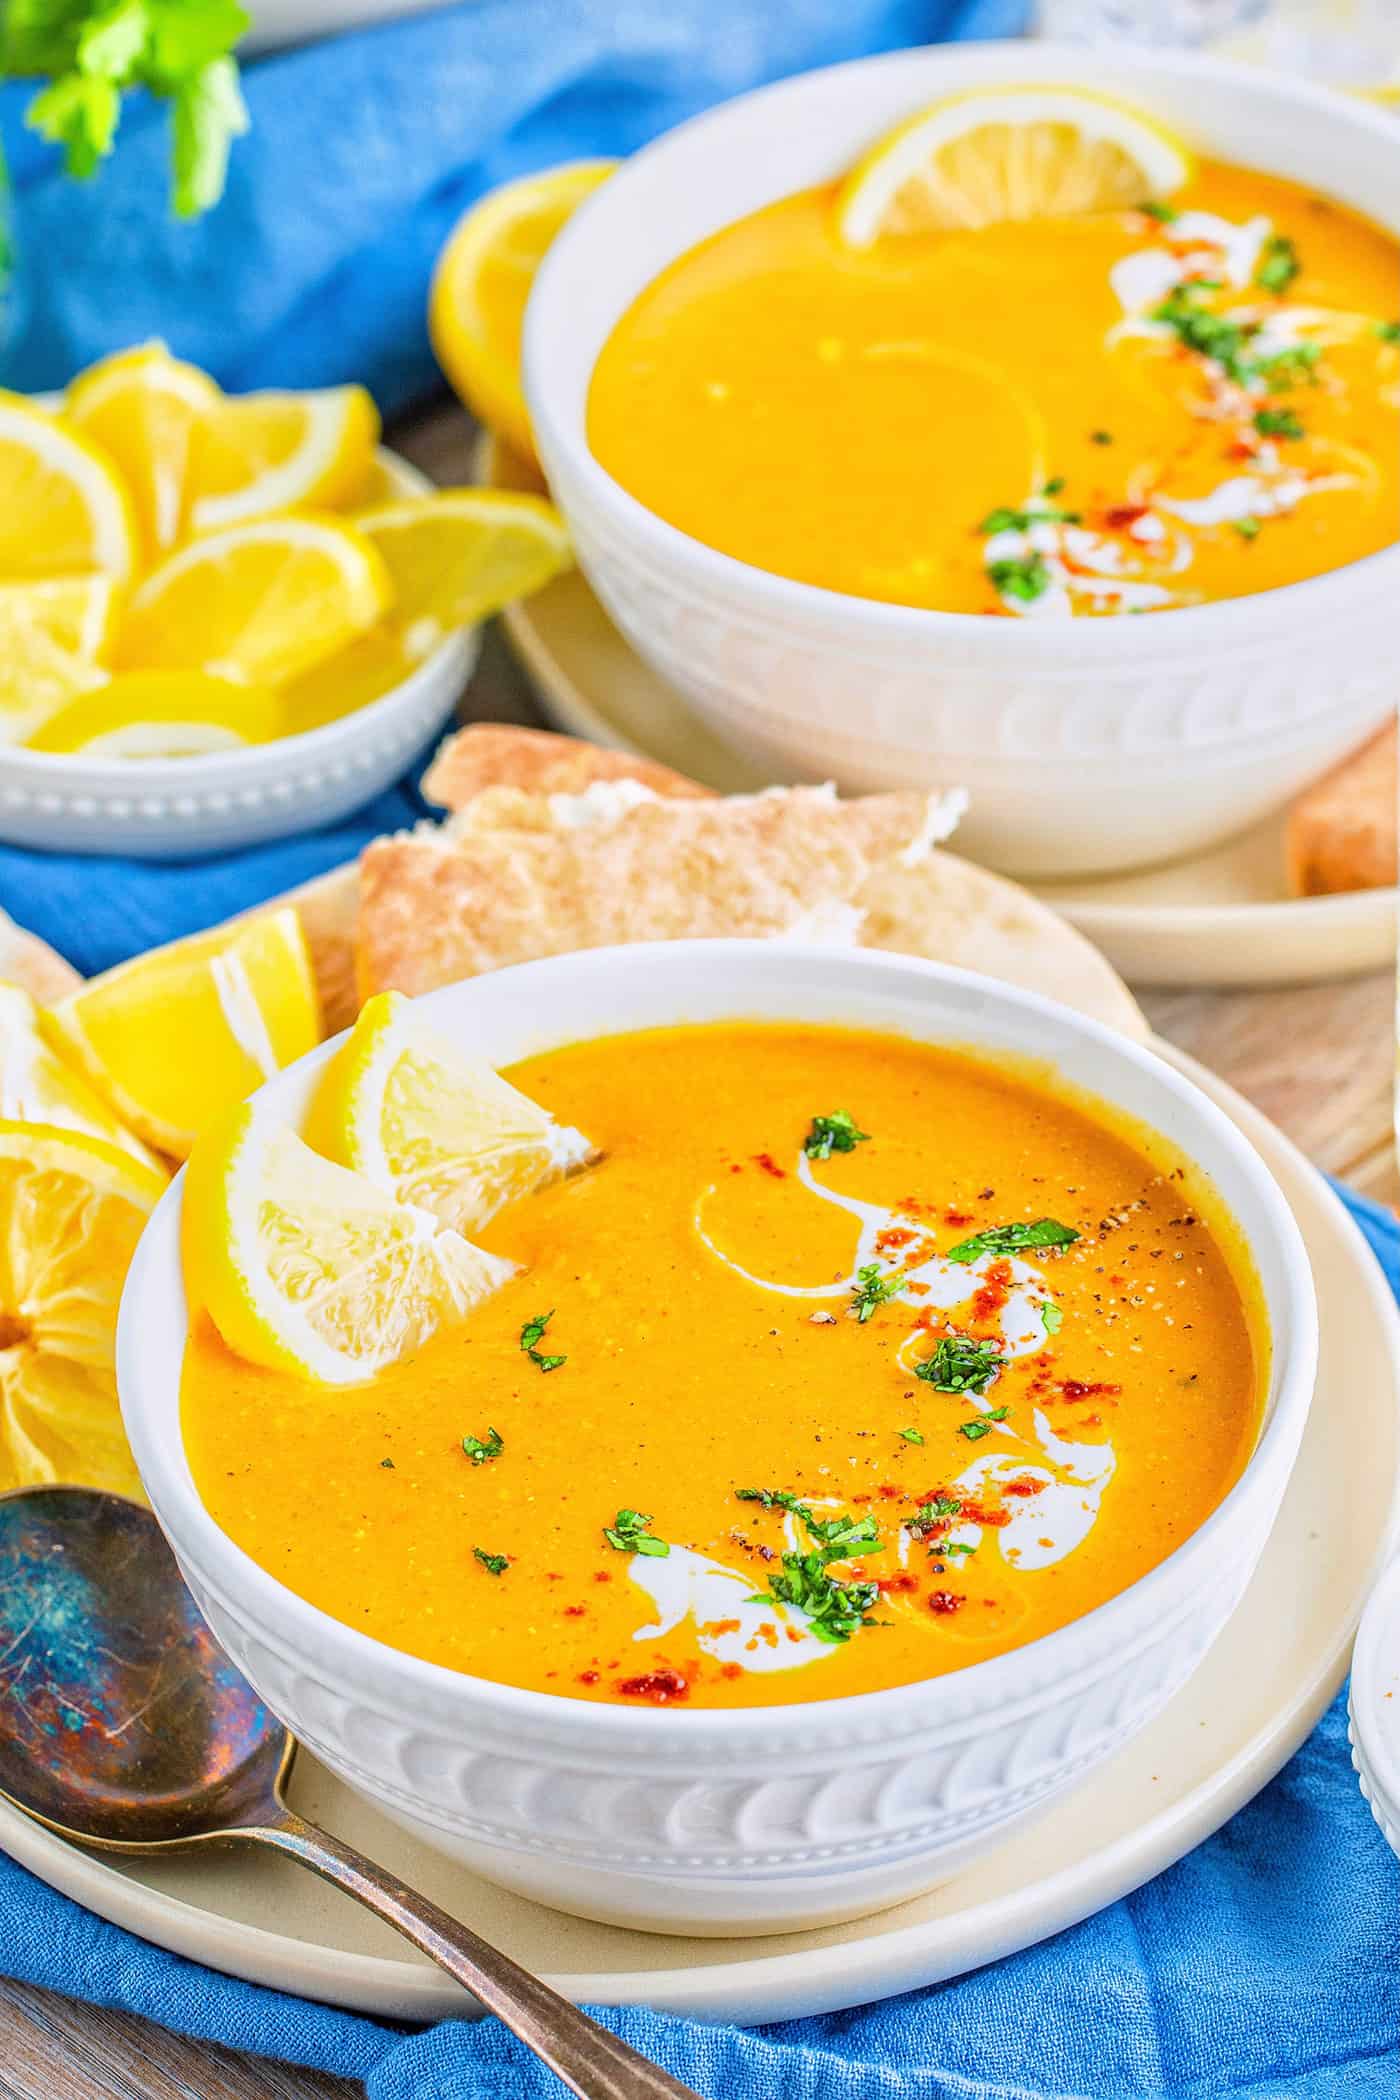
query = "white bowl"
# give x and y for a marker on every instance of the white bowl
(179, 808)
(769, 1818)
(1374, 1705)
(1085, 744)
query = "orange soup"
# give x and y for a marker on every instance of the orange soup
(1123, 412)
(850, 1361)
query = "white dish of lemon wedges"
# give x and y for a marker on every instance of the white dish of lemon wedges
(227, 618)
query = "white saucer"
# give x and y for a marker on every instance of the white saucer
(1375, 1706)
(1258, 1694)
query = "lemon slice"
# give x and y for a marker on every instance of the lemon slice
(63, 507)
(458, 555)
(306, 1267)
(370, 666)
(999, 154)
(71, 1211)
(51, 637)
(263, 452)
(176, 1037)
(257, 603)
(37, 1086)
(405, 1108)
(164, 714)
(146, 409)
(386, 480)
(483, 280)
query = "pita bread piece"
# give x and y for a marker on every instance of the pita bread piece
(496, 754)
(544, 876)
(1341, 833)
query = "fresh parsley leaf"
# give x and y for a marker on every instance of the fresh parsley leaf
(629, 1533)
(840, 1534)
(1052, 1316)
(387, 1462)
(481, 1454)
(1388, 331)
(494, 1563)
(1278, 423)
(981, 1425)
(532, 1334)
(960, 1365)
(95, 52)
(1208, 334)
(834, 1608)
(872, 1290)
(1100, 437)
(951, 1548)
(1247, 528)
(1023, 577)
(935, 1512)
(834, 1133)
(1054, 487)
(773, 1498)
(1295, 365)
(912, 1436)
(1010, 1239)
(1037, 512)
(1155, 209)
(1278, 265)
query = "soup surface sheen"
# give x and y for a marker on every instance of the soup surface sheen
(1113, 413)
(1002, 1442)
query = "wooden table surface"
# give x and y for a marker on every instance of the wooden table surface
(1318, 1059)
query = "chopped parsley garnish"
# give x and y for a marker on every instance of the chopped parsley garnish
(1155, 209)
(833, 1133)
(1278, 423)
(494, 1563)
(838, 1534)
(873, 1290)
(912, 1436)
(388, 1462)
(834, 1609)
(1209, 334)
(960, 1365)
(1295, 365)
(481, 1454)
(1388, 331)
(1278, 265)
(930, 1513)
(531, 1335)
(949, 1547)
(1037, 512)
(1010, 1239)
(629, 1533)
(1248, 528)
(1053, 487)
(1023, 577)
(1052, 1316)
(981, 1425)
(1100, 437)
(773, 1498)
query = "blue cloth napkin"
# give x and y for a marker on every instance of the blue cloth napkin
(1264, 1966)
(364, 150)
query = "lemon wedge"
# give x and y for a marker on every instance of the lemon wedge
(175, 1037)
(483, 280)
(461, 554)
(401, 1105)
(37, 1086)
(370, 666)
(63, 507)
(72, 1208)
(257, 603)
(264, 452)
(52, 636)
(307, 1267)
(164, 714)
(998, 154)
(146, 409)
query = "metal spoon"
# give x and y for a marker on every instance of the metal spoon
(124, 1726)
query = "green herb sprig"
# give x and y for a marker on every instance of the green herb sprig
(532, 1334)
(630, 1532)
(834, 1133)
(481, 1452)
(981, 1425)
(874, 1289)
(960, 1365)
(1278, 265)
(1012, 1239)
(494, 1563)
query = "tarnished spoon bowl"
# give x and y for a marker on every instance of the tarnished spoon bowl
(123, 1725)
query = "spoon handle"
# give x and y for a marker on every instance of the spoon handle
(591, 2062)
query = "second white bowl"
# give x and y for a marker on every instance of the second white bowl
(1085, 744)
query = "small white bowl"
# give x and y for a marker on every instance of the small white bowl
(180, 808)
(764, 1819)
(1086, 744)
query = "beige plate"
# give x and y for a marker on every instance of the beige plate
(1223, 917)
(1254, 1699)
